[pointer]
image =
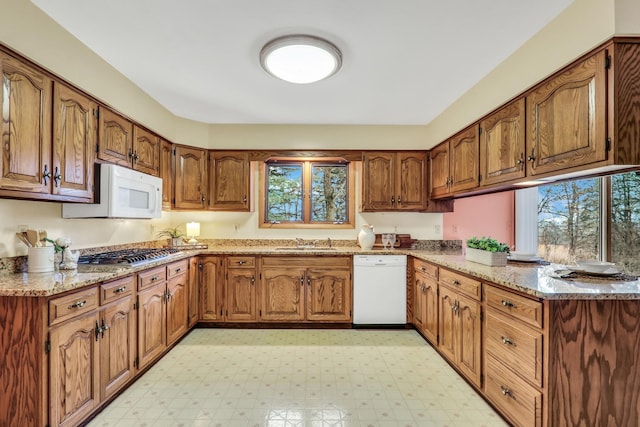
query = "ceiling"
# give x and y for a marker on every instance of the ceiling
(404, 62)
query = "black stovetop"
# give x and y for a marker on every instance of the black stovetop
(127, 256)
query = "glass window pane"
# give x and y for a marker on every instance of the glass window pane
(329, 193)
(284, 192)
(625, 221)
(569, 221)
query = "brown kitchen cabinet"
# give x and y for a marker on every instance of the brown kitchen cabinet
(425, 314)
(566, 118)
(167, 173)
(229, 181)
(454, 164)
(459, 323)
(240, 289)
(502, 144)
(177, 300)
(301, 289)
(394, 181)
(152, 323)
(190, 185)
(211, 287)
(127, 144)
(193, 291)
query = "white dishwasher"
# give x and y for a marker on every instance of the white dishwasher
(379, 289)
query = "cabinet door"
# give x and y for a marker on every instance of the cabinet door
(241, 295)
(74, 363)
(192, 310)
(468, 354)
(25, 95)
(210, 287)
(463, 160)
(411, 181)
(146, 151)
(430, 301)
(448, 335)
(378, 186)
(502, 145)
(74, 143)
(419, 301)
(282, 294)
(566, 118)
(177, 300)
(328, 294)
(166, 173)
(229, 181)
(439, 170)
(115, 135)
(117, 346)
(152, 320)
(190, 178)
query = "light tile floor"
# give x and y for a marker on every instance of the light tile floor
(300, 378)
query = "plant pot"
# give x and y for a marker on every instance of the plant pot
(176, 241)
(493, 259)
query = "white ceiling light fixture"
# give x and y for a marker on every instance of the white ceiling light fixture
(300, 58)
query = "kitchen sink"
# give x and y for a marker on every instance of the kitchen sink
(305, 248)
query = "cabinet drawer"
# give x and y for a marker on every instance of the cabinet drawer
(425, 268)
(520, 402)
(177, 268)
(521, 308)
(241, 262)
(461, 283)
(68, 306)
(116, 289)
(151, 277)
(517, 346)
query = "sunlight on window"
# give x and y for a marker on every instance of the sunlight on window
(625, 221)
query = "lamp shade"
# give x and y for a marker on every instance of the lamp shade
(193, 229)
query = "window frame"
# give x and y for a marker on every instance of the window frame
(306, 201)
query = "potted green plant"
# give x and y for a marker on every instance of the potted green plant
(488, 251)
(172, 233)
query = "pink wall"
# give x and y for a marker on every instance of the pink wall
(487, 215)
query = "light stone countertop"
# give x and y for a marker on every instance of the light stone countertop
(532, 279)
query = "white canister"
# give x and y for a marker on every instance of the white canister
(40, 259)
(366, 237)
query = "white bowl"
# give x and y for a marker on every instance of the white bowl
(522, 256)
(595, 266)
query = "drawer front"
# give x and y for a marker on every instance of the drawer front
(177, 268)
(521, 308)
(461, 283)
(427, 269)
(517, 346)
(241, 262)
(517, 400)
(116, 289)
(69, 306)
(324, 261)
(151, 277)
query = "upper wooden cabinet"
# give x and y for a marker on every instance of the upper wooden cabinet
(167, 173)
(190, 185)
(454, 164)
(115, 138)
(25, 166)
(229, 181)
(566, 118)
(502, 149)
(125, 144)
(394, 181)
(145, 154)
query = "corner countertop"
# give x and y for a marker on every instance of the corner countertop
(532, 279)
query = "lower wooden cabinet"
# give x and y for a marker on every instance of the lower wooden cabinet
(193, 284)
(459, 326)
(305, 289)
(211, 286)
(152, 323)
(240, 289)
(425, 299)
(177, 304)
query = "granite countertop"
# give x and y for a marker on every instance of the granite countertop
(532, 279)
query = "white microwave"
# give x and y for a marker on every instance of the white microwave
(122, 193)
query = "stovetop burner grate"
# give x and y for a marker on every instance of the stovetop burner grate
(127, 256)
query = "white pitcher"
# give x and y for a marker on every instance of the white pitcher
(366, 237)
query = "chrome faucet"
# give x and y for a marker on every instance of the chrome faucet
(329, 242)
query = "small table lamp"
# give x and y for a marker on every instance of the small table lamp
(193, 230)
